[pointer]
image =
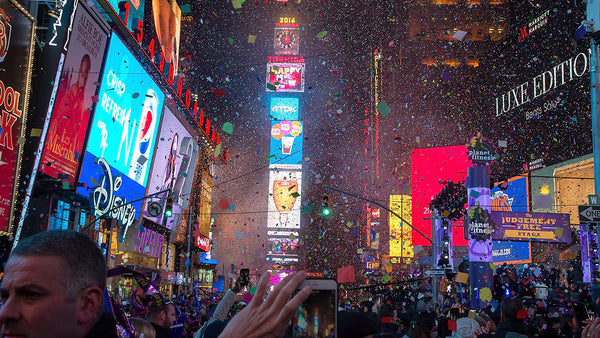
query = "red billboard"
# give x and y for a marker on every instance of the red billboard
(431, 167)
(16, 52)
(74, 97)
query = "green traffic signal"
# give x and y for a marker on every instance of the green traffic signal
(169, 207)
(325, 210)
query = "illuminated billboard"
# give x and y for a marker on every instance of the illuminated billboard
(285, 77)
(511, 252)
(514, 198)
(16, 46)
(287, 40)
(130, 11)
(285, 187)
(401, 233)
(284, 108)
(162, 33)
(429, 167)
(126, 118)
(286, 143)
(174, 166)
(74, 98)
(283, 249)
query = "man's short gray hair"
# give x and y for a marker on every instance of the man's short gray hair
(82, 261)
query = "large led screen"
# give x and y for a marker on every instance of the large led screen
(130, 11)
(511, 252)
(286, 143)
(74, 98)
(173, 167)
(162, 32)
(285, 77)
(123, 132)
(429, 168)
(16, 44)
(284, 108)
(538, 85)
(400, 232)
(283, 249)
(285, 187)
(514, 198)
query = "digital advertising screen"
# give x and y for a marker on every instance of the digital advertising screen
(130, 11)
(286, 143)
(162, 33)
(429, 167)
(546, 94)
(287, 40)
(284, 108)
(514, 198)
(283, 248)
(127, 118)
(479, 227)
(74, 98)
(173, 168)
(401, 233)
(511, 252)
(285, 187)
(16, 45)
(285, 77)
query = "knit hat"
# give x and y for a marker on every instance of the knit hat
(466, 327)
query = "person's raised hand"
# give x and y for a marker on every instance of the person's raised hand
(271, 317)
(591, 329)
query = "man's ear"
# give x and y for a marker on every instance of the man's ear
(89, 305)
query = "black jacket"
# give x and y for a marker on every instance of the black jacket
(161, 332)
(507, 326)
(106, 327)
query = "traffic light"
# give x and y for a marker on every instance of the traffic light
(169, 207)
(325, 208)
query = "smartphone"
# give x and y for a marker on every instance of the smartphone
(317, 316)
(244, 277)
(581, 312)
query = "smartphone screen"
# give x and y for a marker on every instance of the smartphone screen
(244, 277)
(317, 316)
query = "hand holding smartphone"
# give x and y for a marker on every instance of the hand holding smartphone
(244, 277)
(317, 316)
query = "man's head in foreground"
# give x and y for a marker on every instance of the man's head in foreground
(53, 286)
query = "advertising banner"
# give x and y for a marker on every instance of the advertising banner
(162, 34)
(126, 118)
(286, 143)
(479, 228)
(173, 167)
(283, 248)
(450, 163)
(130, 11)
(285, 187)
(514, 198)
(401, 233)
(287, 40)
(511, 252)
(16, 52)
(74, 98)
(285, 77)
(284, 108)
(203, 243)
(522, 226)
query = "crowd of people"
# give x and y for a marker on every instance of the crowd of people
(54, 285)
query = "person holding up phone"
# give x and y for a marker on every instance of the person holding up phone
(269, 317)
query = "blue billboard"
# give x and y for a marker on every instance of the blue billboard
(286, 143)
(284, 108)
(123, 131)
(515, 198)
(511, 252)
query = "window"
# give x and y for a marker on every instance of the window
(60, 219)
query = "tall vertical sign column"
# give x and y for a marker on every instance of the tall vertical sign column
(481, 275)
(285, 78)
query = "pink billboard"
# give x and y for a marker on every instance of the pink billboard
(430, 168)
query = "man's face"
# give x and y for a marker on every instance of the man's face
(171, 316)
(34, 299)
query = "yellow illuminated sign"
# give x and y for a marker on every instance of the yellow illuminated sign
(401, 233)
